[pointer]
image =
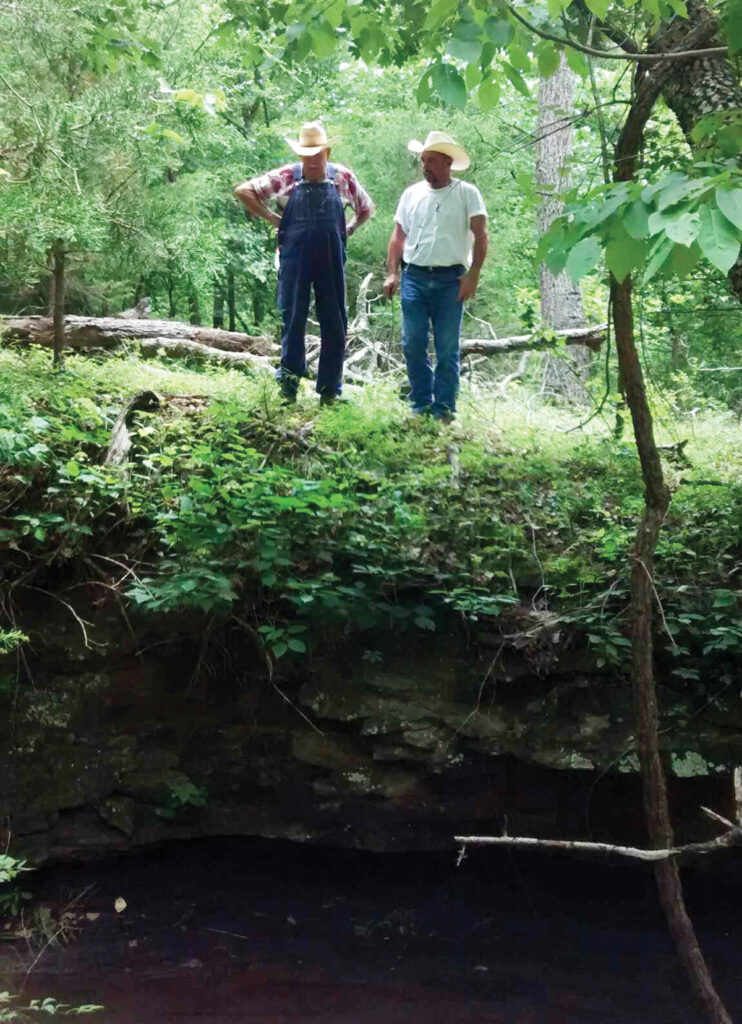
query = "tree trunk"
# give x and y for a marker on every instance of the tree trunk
(58, 318)
(217, 319)
(194, 305)
(657, 499)
(561, 300)
(230, 299)
(50, 282)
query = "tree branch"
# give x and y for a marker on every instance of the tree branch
(646, 58)
(730, 838)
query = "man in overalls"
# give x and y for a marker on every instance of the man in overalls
(312, 235)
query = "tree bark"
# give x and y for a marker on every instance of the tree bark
(120, 444)
(561, 300)
(217, 319)
(58, 317)
(106, 332)
(50, 282)
(587, 337)
(657, 499)
(194, 306)
(180, 348)
(230, 299)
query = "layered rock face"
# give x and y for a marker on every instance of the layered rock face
(158, 730)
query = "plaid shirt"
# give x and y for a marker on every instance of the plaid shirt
(279, 183)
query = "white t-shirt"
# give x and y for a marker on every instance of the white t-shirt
(436, 222)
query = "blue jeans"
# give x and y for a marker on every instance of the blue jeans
(431, 297)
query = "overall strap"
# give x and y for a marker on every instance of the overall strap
(296, 171)
(331, 172)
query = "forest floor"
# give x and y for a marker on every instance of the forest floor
(265, 933)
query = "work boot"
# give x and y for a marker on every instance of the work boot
(326, 398)
(288, 392)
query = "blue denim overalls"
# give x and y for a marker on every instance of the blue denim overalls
(312, 243)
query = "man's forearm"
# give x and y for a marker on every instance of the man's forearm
(355, 223)
(393, 259)
(479, 252)
(255, 205)
(394, 255)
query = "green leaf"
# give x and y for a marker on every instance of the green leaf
(577, 63)
(515, 79)
(488, 94)
(548, 60)
(294, 30)
(718, 239)
(651, 190)
(168, 133)
(636, 219)
(657, 256)
(583, 258)
(297, 645)
(660, 220)
(473, 75)
(598, 7)
(323, 41)
(683, 259)
(732, 25)
(623, 253)
(438, 13)
(424, 88)
(280, 649)
(500, 31)
(468, 31)
(463, 49)
(684, 229)
(555, 259)
(487, 55)
(334, 12)
(680, 189)
(449, 85)
(519, 58)
(729, 202)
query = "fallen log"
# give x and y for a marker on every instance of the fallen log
(590, 336)
(81, 332)
(118, 449)
(183, 348)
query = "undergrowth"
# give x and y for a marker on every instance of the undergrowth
(305, 522)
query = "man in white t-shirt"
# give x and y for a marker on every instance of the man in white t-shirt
(440, 238)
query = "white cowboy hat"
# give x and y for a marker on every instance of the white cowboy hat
(440, 142)
(312, 139)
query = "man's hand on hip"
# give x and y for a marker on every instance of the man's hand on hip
(391, 284)
(468, 285)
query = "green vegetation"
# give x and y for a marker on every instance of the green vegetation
(309, 524)
(14, 1011)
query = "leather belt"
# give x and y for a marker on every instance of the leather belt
(432, 270)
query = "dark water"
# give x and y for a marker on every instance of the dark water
(267, 933)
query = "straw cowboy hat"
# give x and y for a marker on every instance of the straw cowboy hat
(440, 142)
(312, 139)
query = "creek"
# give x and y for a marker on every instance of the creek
(270, 932)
